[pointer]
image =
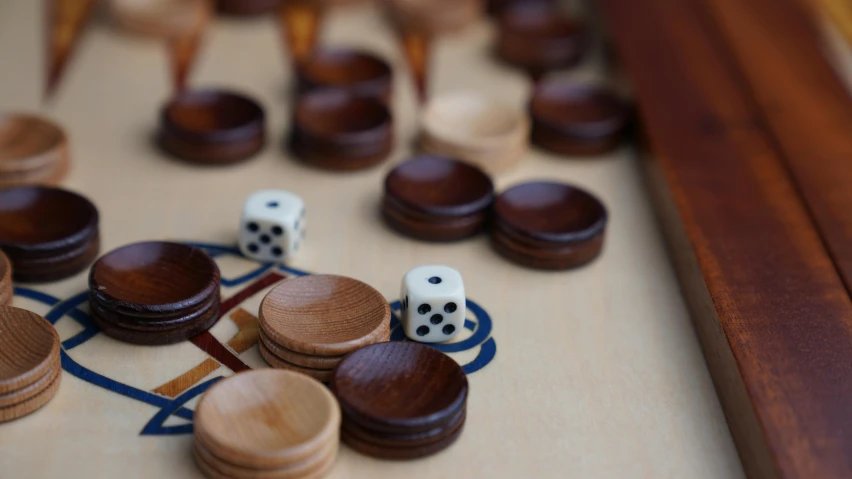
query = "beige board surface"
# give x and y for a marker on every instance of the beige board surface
(597, 372)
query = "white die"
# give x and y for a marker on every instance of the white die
(272, 226)
(432, 303)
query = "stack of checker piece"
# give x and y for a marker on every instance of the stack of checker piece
(309, 323)
(30, 368)
(48, 233)
(33, 150)
(7, 290)
(154, 292)
(400, 400)
(269, 424)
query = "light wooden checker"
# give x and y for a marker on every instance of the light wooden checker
(597, 371)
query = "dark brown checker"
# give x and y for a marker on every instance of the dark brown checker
(577, 119)
(398, 441)
(436, 198)
(47, 233)
(29, 348)
(540, 37)
(212, 127)
(324, 315)
(400, 387)
(548, 225)
(154, 277)
(247, 8)
(768, 304)
(336, 130)
(356, 71)
(401, 453)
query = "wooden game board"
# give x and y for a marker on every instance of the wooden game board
(589, 373)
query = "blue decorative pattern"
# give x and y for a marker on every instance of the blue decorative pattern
(480, 328)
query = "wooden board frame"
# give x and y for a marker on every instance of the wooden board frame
(771, 310)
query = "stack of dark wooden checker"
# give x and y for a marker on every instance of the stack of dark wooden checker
(437, 199)
(154, 292)
(30, 368)
(48, 233)
(308, 323)
(400, 400)
(33, 150)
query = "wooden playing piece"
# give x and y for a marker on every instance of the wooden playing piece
(571, 118)
(540, 37)
(551, 212)
(407, 440)
(546, 258)
(322, 375)
(212, 127)
(440, 186)
(437, 198)
(495, 7)
(400, 386)
(29, 392)
(64, 25)
(247, 7)
(31, 405)
(154, 276)
(29, 144)
(58, 265)
(300, 359)
(474, 128)
(29, 346)
(155, 336)
(324, 315)
(334, 129)
(212, 466)
(266, 419)
(401, 453)
(150, 323)
(418, 226)
(299, 23)
(161, 18)
(6, 286)
(49, 175)
(47, 233)
(359, 72)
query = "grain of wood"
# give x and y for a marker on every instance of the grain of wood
(29, 346)
(324, 315)
(266, 418)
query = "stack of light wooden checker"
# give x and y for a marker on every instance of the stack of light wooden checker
(268, 424)
(33, 150)
(30, 367)
(400, 400)
(308, 323)
(476, 129)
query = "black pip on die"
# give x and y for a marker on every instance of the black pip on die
(273, 225)
(432, 303)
